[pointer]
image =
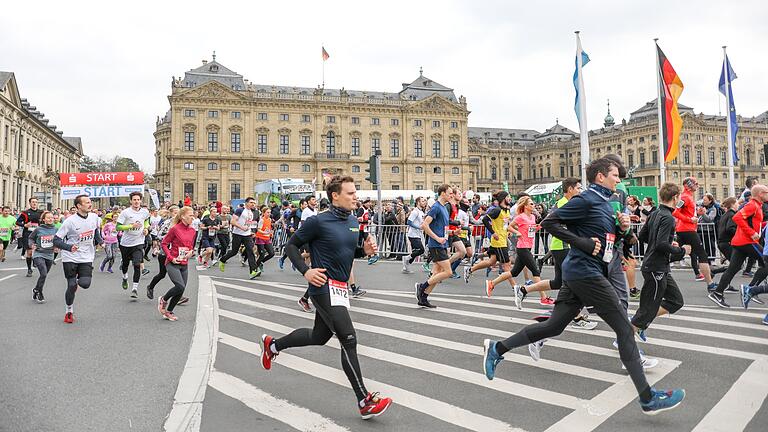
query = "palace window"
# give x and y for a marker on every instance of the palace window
(235, 142)
(189, 165)
(305, 144)
(395, 170)
(454, 125)
(262, 143)
(436, 148)
(455, 149)
(236, 114)
(189, 141)
(330, 119)
(435, 123)
(212, 191)
(284, 117)
(395, 122)
(417, 148)
(374, 121)
(284, 144)
(330, 143)
(213, 114)
(213, 166)
(355, 120)
(455, 171)
(262, 116)
(305, 118)
(419, 170)
(355, 146)
(189, 113)
(437, 170)
(213, 141)
(235, 166)
(375, 145)
(234, 191)
(283, 167)
(394, 147)
(355, 168)
(417, 123)
(262, 167)
(305, 168)
(493, 173)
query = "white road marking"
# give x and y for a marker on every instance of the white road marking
(262, 402)
(7, 277)
(735, 410)
(423, 404)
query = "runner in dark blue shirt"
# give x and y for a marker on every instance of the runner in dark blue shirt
(334, 240)
(435, 225)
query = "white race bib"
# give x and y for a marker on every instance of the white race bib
(32, 227)
(183, 255)
(4, 232)
(532, 231)
(609, 241)
(46, 242)
(339, 293)
(211, 232)
(85, 237)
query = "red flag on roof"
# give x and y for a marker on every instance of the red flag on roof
(325, 54)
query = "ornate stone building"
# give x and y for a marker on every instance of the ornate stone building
(550, 156)
(33, 152)
(223, 134)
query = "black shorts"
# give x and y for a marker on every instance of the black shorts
(208, 242)
(77, 270)
(132, 253)
(438, 254)
(465, 241)
(453, 239)
(5, 243)
(501, 254)
(697, 248)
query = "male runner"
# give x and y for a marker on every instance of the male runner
(334, 241)
(29, 220)
(77, 238)
(436, 226)
(241, 223)
(496, 221)
(134, 223)
(588, 223)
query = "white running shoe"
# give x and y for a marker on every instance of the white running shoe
(648, 362)
(518, 296)
(535, 349)
(583, 324)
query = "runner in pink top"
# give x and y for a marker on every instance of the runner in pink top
(524, 227)
(111, 246)
(178, 246)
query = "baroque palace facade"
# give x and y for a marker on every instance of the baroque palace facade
(223, 134)
(32, 152)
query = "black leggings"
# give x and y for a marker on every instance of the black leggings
(266, 252)
(739, 254)
(417, 248)
(161, 273)
(525, 259)
(77, 275)
(223, 244)
(659, 290)
(237, 241)
(329, 320)
(559, 257)
(571, 298)
(43, 265)
(134, 254)
(178, 275)
(698, 254)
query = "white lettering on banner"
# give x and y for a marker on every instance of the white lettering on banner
(339, 293)
(101, 177)
(69, 192)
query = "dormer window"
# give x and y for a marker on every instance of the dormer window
(214, 68)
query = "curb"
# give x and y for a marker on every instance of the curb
(186, 412)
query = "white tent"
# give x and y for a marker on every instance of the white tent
(543, 188)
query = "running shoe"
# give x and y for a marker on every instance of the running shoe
(467, 274)
(373, 405)
(281, 262)
(699, 277)
(242, 261)
(266, 351)
(405, 260)
(543, 316)
(662, 400)
(731, 288)
(125, 284)
(634, 293)
(426, 267)
(34, 294)
(254, 274)
(373, 259)
(547, 301)
(518, 296)
(145, 272)
(640, 335)
(711, 287)
(150, 293)
(169, 316)
(534, 349)
(419, 291)
(488, 288)
(134, 293)
(101, 266)
(29, 273)
(718, 299)
(583, 324)
(359, 292)
(424, 302)
(40, 297)
(69, 318)
(161, 305)
(491, 358)
(745, 296)
(182, 301)
(110, 270)
(222, 265)
(757, 300)
(528, 282)
(407, 271)
(765, 319)
(455, 276)
(304, 305)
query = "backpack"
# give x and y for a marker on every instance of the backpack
(719, 214)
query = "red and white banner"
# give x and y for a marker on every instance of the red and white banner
(101, 178)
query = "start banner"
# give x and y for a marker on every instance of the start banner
(70, 192)
(101, 178)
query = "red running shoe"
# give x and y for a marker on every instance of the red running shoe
(69, 318)
(374, 406)
(547, 301)
(488, 287)
(169, 316)
(161, 305)
(266, 352)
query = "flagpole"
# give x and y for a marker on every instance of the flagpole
(662, 138)
(322, 59)
(731, 145)
(583, 132)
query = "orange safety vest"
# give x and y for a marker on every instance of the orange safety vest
(266, 225)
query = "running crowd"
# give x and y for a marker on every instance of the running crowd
(589, 236)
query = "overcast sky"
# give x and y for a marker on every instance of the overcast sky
(103, 72)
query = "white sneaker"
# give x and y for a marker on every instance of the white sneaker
(518, 296)
(583, 324)
(648, 362)
(534, 349)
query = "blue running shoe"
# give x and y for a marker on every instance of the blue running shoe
(745, 295)
(372, 260)
(528, 282)
(765, 319)
(663, 400)
(490, 358)
(281, 262)
(640, 335)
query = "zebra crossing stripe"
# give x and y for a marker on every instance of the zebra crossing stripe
(476, 378)
(264, 403)
(447, 344)
(423, 404)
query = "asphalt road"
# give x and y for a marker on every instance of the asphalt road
(429, 362)
(115, 369)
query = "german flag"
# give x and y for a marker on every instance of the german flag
(670, 89)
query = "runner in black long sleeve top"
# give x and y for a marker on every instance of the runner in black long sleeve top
(334, 240)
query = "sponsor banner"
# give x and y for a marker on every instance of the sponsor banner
(70, 192)
(102, 178)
